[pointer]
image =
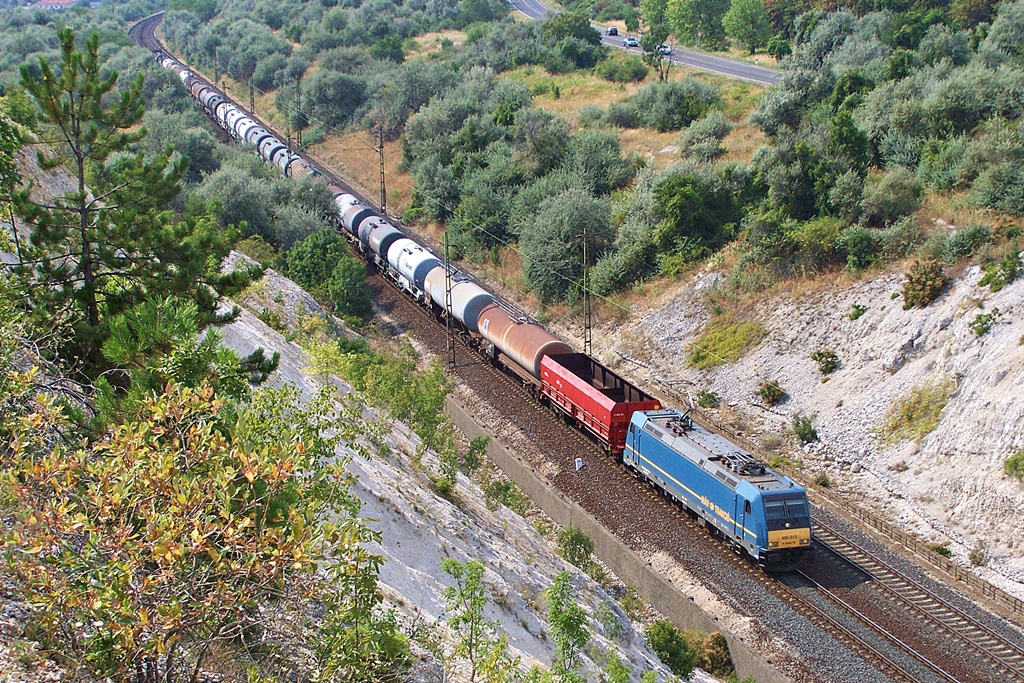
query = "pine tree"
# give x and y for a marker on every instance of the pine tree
(111, 242)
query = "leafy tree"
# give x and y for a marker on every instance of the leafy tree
(331, 98)
(671, 647)
(569, 630)
(110, 243)
(157, 342)
(778, 47)
(479, 643)
(553, 247)
(688, 18)
(164, 552)
(576, 547)
(747, 21)
(571, 25)
(311, 262)
(694, 210)
(388, 48)
(348, 291)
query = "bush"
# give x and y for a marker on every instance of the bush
(575, 546)
(803, 428)
(630, 69)
(670, 645)
(925, 282)
(856, 312)
(941, 549)
(900, 239)
(702, 138)
(826, 359)
(666, 106)
(498, 492)
(1001, 273)
(708, 399)
(978, 556)
(860, 245)
(918, 413)
(1014, 465)
(896, 195)
(982, 323)
(724, 340)
(771, 392)
(713, 655)
(822, 480)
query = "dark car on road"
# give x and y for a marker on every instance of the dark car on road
(611, 31)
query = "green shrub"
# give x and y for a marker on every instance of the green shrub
(1001, 273)
(629, 69)
(856, 312)
(900, 239)
(918, 413)
(575, 546)
(860, 245)
(941, 549)
(498, 492)
(669, 643)
(771, 392)
(895, 195)
(982, 323)
(803, 428)
(724, 340)
(924, 283)
(708, 399)
(826, 359)
(1014, 465)
(822, 480)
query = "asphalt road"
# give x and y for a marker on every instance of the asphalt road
(534, 9)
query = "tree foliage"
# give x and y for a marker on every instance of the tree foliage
(110, 243)
(148, 548)
(479, 641)
(553, 247)
(747, 21)
(569, 629)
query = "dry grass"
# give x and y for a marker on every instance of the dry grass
(742, 142)
(918, 413)
(431, 42)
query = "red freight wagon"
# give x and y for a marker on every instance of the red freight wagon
(598, 399)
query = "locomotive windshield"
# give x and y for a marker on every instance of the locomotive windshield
(791, 508)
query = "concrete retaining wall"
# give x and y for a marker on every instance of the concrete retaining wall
(654, 588)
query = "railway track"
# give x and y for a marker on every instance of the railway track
(653, 525)
(1005, 657)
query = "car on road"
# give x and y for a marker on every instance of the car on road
(611, 31)
(665, 49)
(630, 41)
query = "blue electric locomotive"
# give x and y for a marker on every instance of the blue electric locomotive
(751, 506)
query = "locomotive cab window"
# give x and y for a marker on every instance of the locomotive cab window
(775, 509)
(746, 507)
(796, 508)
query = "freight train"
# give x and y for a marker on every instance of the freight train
(755, 509)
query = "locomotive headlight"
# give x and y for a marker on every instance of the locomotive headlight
(773, 544)
(805, 541)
